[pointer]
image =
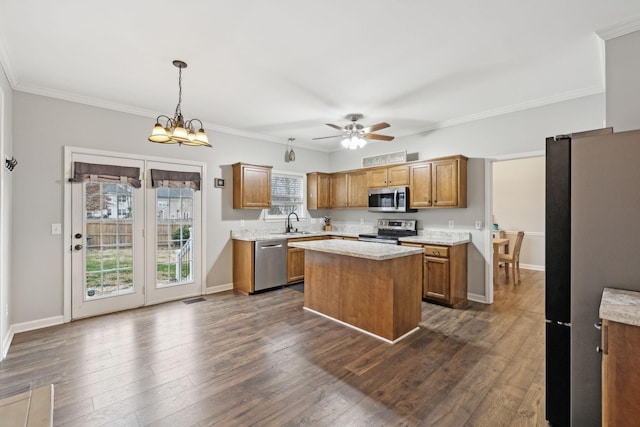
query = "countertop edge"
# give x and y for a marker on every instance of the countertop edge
(313, 246)
(620, 305)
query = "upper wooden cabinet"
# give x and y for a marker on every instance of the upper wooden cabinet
(251, 186)
(338, 190)
(388, 177)
(357, 196)
(439, 183)
(318, 190)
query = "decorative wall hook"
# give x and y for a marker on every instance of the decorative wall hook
(10, 163)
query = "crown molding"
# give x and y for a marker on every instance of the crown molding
(95, 102)
(619, 29)
(6, 65)
(567, 96)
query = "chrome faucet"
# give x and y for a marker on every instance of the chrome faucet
(288, 227)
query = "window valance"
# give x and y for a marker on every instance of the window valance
(175, 179)
(90, 172)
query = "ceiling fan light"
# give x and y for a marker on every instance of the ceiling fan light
(345, 143)
(159, 134)
(361, 142)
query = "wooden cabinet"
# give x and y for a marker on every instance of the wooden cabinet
(392, 176)
(243, 266)
(338, 190)
(420, 185)
(251, 186)
(620, 374)
(444, 274)
(295, 259)
(440, 183)
(318, 191)
(357, 196)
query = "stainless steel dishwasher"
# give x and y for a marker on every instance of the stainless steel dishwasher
(270, 264)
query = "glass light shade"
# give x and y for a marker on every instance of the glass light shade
(159, 134)
(202, 138)
(361, 142)
(191, 135)
(180, 134)
(345, 143)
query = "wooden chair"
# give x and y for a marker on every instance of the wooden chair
(513, 258)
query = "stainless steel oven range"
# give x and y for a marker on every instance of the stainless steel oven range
(389, 230)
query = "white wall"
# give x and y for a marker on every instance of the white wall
(42, 126)
(519, 203)
(623, 84)
(6, 179)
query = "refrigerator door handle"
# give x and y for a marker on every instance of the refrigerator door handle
(558, 322)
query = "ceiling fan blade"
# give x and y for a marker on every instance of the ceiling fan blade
(378, 137)
(376, 127)
(334, 126)
(326, 137)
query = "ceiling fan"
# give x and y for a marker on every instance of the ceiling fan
(355, 134)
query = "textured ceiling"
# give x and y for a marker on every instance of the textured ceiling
(280, 69)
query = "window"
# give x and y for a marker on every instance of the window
(287, 195)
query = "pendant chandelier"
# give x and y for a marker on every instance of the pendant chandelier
(176, 130)
(289, 155)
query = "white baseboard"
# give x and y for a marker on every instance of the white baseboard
(532, 267)
(28, 326)
(37, 324)
(219, 288)
(477, 298)
(6, 343)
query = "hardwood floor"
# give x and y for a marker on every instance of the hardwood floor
(262, 360)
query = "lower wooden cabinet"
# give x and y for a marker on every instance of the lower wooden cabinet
(444, 274)
(295, 259)
(620, 374)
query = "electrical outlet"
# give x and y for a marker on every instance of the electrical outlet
(451, 223)
(242, 223)
(478, 225)
(361, 220)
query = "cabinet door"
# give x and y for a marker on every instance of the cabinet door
(398, 175)
(436, 279)
(445, 183)
(295, 265)
(338, 192)
(420, 181)
(377, 178)
(318, 188)
(357, 196)
(251, 187)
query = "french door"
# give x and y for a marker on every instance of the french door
(133, 242)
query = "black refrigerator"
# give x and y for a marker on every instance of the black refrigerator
(592, 217)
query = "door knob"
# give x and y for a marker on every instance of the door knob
(78, 236)
(77, 247)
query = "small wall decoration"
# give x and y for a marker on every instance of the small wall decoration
(10, 163)
(218, 182)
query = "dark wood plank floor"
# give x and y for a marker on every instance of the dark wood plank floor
(262, 360)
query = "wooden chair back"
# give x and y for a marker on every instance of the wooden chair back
(517, 246)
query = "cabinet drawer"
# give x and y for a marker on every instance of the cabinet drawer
(438, 251)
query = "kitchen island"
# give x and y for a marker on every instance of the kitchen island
(373, 287)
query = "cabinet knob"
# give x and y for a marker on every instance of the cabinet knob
(598, 325)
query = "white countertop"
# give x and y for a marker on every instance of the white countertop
(620, 306)
(369, 250)
(445, 238)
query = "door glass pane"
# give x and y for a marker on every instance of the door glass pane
(174, 225)
(108, 212)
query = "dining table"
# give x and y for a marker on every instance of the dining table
(497, 244)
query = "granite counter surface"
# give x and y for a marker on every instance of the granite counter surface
(620, 306)
(369, 250)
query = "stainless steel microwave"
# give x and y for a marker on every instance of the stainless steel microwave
(389, 199)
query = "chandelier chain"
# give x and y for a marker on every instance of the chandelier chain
(178, 109)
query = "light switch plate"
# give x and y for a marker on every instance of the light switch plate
(451, 223)
(478, 225)
(56, 228)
